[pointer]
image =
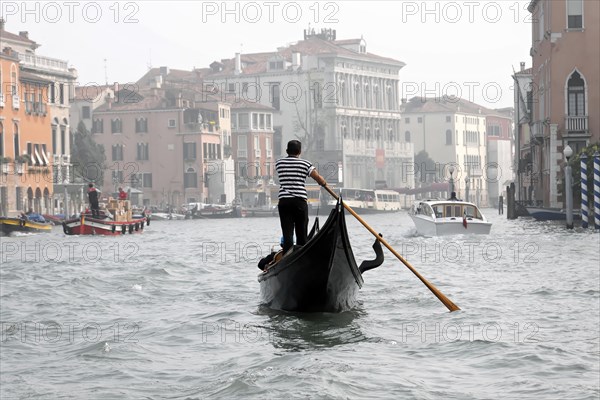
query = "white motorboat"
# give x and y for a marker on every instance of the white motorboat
(162, 216)
(448, 217)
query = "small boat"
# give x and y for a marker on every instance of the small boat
(118, 219)
(56, 219)
(448, 217)
(259, 212)
(322, 275)
(163, 216)
(551, 214)
(212, 211)
(10, 225)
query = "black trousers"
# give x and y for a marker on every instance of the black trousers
(95, 208)
(293, 215)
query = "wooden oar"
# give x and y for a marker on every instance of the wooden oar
(447, 302)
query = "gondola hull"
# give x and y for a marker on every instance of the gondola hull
(321, 276)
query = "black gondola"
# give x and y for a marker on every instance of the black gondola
(322, 275)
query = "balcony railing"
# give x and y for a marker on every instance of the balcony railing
(1, 99)
(16, 101)
(53, 64)
(192, 127)
(576, 124)
(242, 153)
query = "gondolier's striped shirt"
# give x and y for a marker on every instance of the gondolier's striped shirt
(292, 172)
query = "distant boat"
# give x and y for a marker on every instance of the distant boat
(322, 275)
(118, 219)
(212, 211)
(265, 211)
(12, 225)
(551, 214)
(366, 201)
(448, 217)
(162, 216)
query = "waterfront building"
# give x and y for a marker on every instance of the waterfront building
(499, 170)
(87, 99)
(165, 142)
(523, 100)
(25, 146)
(252, 139)
(60, 83)
(453, 132)
(340, 100)
(566, 78)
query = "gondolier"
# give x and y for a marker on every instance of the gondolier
(293, 207)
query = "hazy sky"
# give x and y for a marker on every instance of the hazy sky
(466, 48)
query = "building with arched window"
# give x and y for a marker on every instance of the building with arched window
(565, 97)
(25, 166)
(59, 80)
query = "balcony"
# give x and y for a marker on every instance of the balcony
(196, 127)
(20, 168)
(242, 153)
(257, 153)
(576, 124)
(192, 127)
(44, 63)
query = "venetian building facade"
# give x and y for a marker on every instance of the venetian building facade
(165, 143)
(565, 79)
(60, 90)
(340, 100)
(453, 133)
(25, 148)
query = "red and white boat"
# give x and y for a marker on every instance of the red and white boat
(87, 225)
(117, 219)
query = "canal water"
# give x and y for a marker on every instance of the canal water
(175, 313)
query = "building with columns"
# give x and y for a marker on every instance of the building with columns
(341, 101)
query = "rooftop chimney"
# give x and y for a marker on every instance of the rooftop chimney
(296, 58)
(238, 63)
(164, 71)
(116, 92)
(24, 34)
(522, 66)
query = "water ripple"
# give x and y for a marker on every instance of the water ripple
(175, 313)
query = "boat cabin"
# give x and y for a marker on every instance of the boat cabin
(449, 210)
